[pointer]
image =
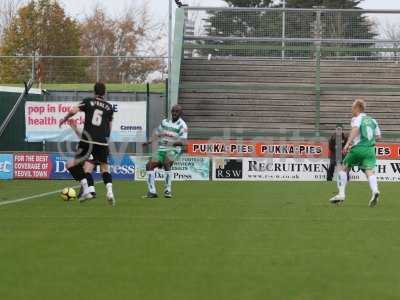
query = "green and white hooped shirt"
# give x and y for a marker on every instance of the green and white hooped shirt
(170, 132)
(368, 130)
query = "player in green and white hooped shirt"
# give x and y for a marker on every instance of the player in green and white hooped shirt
(171, 136)
(360, 149)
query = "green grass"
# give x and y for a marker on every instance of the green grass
(211, 241)
(111, 87)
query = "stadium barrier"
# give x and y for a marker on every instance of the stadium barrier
(53, 166)
(291, 169)
(283, 162)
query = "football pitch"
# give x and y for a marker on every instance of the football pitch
(213, 240)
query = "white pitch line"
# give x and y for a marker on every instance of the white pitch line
(29, 198)
(36, 196)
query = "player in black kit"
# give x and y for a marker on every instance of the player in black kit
(94, 140)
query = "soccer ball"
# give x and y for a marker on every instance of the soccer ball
(68, 194)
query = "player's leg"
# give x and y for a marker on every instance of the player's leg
(373, 184)
(88, 168)
(341, 182)
(100, 154)
(151, 177)
(168, 178)
(171, 156)
(349, 161)
(369, 163)
(107, 179)
(75, 167)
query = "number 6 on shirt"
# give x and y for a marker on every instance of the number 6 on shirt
(97, 117)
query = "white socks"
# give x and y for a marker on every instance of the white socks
(341, 182)
(151, 182)
(85, 186)
(373, 184)
(109, 188)
(91, 189)
(168, 180)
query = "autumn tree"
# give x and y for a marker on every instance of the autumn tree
(122, 36)
(8, 10)
(41, 28)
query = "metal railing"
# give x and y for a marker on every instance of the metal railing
(82, 69)
(291, 33)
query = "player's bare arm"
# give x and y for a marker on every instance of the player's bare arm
(150, 141)
(156, 135)
(378, 135)
(178, 144)
(75, 129)
(72, 112)
(181, 142)
(353, 134)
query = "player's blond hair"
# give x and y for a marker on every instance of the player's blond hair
(360, 103)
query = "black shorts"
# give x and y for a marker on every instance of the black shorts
(100, 153)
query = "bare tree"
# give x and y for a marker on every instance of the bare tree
(132, 33)
(391, 31)
(8, 10)
(153, 31)
(196, 17)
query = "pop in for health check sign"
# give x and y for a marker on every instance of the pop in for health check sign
(42, 121)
